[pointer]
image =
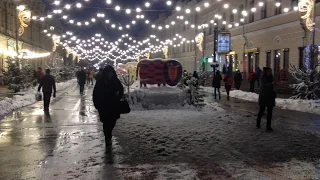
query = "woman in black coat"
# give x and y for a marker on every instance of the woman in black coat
(107, 94)
(267, 97)
(216, 83)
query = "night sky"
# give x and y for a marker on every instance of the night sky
(91, 8)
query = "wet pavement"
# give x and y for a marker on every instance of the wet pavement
(69, 144)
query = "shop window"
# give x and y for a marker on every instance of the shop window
(251, 14)
(235, 62)
(268, 59)
(286, 59)
(276, 63)
(277, 9)
(264, 10)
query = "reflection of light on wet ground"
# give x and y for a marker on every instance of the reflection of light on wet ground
(37, 112)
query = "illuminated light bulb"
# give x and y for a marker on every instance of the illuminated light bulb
(138, 10)
(286, 9)
(186, 22)
(169, 3)
(127, 26)
(296, 8)
(160, 27)
(93, 20)
(212, 21)
(42, 19)
(206, 4)
(242, 20)
(107, 21)
(167, 26)
(253, 9)
(244, 13)
(173, 23)
(230, 25)
(142, 16)
(45, 31)
(193, 26)
(34, 17)
(120, 28)
(178, 8)
(188, 11)
(117, 8)
(153, 26)
(59, 11)
(147, 21)
(278, 4)
(49, 34)
(67, 6)
(86, 23)
(49, 16)
(71, 21)
(198, 9)
(234, 11)
(78, 5)
(56, 3)
(226, 6)
(133, 22)
(108, 2)
(55, 11)
(237, 24)
(147, 4)
(79, 23)
(261, 4)
(128, 11)
(138, 16)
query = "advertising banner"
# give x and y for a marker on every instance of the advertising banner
(224, 43)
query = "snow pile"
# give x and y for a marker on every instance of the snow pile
(159, 98)
(9, 104)
(311, 106)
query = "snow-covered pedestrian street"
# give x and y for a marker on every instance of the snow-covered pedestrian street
(218, 142)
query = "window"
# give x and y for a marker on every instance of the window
(276, 63)
(294, 3)
(251, 14)
(278, 8)
(264, 10)
(210, 28)
(268, 59)
(231, 18)
(286, 59)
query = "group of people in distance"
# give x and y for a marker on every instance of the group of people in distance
(267, 93)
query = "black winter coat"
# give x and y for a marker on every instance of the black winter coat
(106, 96)
(81, 77)
(216, 82)
(47, 83)
(238, 78)
(267, 96)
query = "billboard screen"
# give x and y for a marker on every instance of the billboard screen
(224, 43)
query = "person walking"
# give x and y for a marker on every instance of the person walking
(47, 83)
(92, 73)
(107, 93)
(81, 80)
(267, 97)
(216, 83)
(39, 74)
(252, 80)
(258, 75)
(228, 84)
(238, 80)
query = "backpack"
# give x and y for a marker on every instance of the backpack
(229, 81)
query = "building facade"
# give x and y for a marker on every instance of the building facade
(271, 34)
(33, 39)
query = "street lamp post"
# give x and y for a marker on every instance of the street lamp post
(312, 63)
